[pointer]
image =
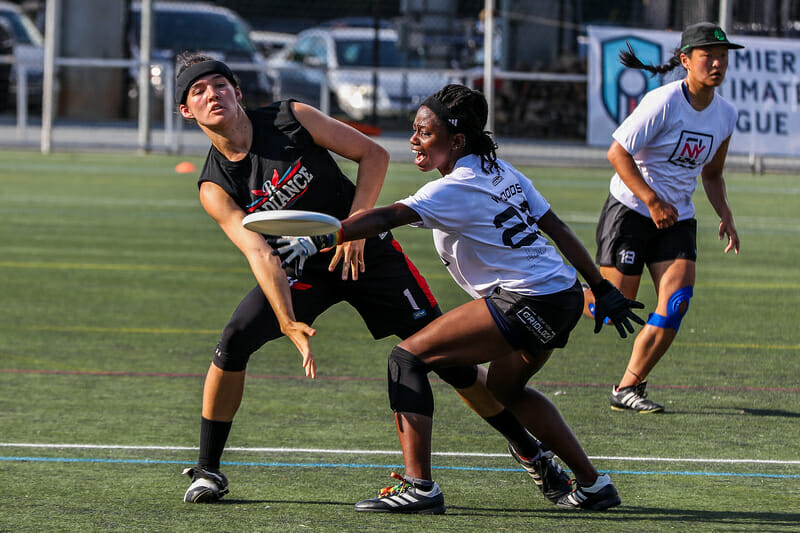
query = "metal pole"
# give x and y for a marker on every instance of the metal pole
(169, 112)
(50, 39)
(376, 60)
(784, 19)
(725, 13)
(145, 54)
(488, 60)
(22, 99)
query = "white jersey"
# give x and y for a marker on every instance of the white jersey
(669, 141)
(484, 229)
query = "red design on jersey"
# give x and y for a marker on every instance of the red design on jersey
(298, 285)
(417, 276)
(281, 192)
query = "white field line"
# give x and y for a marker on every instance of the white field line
(384, 452)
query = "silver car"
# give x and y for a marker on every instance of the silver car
(344, 57)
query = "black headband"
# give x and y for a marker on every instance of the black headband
(441, 111)
(198, 70)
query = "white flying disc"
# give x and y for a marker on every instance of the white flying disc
(291, 223)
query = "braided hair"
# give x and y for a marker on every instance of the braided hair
(629, 59)
(471, 112)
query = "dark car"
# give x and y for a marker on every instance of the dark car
(200, 28)
(28, 50)
(6, 49)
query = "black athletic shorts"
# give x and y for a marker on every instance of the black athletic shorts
(536, 323)
(390, 295)
(627, 240)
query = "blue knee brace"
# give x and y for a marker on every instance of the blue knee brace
(674, 315)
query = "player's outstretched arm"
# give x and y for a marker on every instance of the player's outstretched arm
(609, 301)
(359, 226)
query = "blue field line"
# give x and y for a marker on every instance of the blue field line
(388, 466)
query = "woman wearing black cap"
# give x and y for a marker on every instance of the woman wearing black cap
(277, 157)
(676, 131)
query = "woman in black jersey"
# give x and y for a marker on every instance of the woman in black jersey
(278, 157)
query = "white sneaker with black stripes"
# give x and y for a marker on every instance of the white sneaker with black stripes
(405, 498)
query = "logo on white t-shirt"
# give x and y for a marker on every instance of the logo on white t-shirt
(692, 149)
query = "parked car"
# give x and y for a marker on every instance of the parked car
(342, 56)
(6, 49)
(28, 50)
(271, 42)
(203, 28)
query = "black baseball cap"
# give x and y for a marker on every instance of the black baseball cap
(704, 34)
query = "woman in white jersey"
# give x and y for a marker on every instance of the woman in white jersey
(648, 219)
(487, 221)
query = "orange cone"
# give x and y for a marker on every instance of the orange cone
(185, 167)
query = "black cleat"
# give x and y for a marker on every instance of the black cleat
(634, 398)
(599, 497)
(405, 498)
(207, 486)
(546, 473)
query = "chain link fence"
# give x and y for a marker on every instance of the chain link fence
(367, 62)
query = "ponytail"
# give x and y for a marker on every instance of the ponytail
(629, 59)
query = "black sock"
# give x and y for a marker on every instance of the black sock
(508, 425)
(213, 436)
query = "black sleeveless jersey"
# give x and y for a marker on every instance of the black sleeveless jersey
(284, 168)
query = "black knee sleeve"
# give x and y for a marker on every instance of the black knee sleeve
(229, 363)
(459, 377)
(409, 388)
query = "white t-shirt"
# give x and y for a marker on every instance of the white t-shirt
(484, 229)
(670, 141)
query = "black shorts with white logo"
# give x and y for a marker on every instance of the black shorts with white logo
(536, 323)
(628, 241)
(390, 295)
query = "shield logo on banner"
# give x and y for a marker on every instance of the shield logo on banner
(624, 87)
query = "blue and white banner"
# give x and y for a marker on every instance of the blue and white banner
(763, 83)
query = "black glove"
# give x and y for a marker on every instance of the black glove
(301, 248)
(609, 302)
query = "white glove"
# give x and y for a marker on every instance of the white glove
(300, 248)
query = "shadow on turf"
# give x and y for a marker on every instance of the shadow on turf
(770, 412)
(227, 501)
(736, 411)
(629, 513)
(743, 518)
